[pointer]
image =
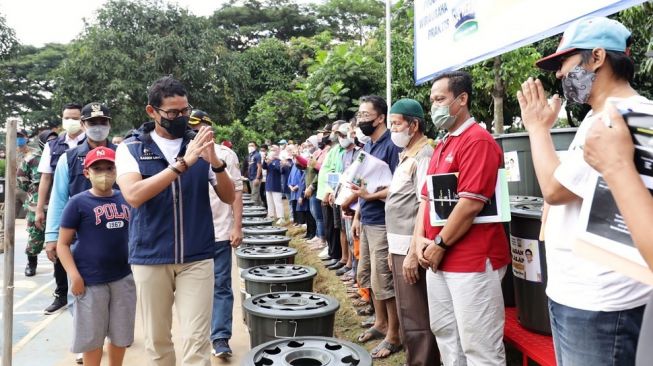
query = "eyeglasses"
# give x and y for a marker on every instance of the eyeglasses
(365, 117)
(174, 113)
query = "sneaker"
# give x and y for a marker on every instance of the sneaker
(324, 254)
(79, 359)
(221, 348)
(59, 303)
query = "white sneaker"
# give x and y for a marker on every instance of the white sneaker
(324, 254)
(281, 222)
(79, 359)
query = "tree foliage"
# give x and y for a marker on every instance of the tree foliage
(29, 84)
(280, 114)
(245, 24)
(8, 41)
(352, 19)
(131, 44)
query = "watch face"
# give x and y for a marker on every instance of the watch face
(438, 240)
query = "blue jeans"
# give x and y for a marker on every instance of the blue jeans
(223, 297)
(316, 211)
(596, 338)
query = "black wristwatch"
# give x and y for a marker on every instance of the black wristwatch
(439, 242)
(220, 169)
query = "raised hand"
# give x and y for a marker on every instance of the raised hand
(536, 111)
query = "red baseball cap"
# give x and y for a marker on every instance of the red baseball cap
(99, 153)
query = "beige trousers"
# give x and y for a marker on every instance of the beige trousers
(189, 287)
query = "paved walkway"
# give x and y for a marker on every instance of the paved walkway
(44, 340)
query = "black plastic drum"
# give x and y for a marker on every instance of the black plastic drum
(264, 230)
(256, 221)
(308, 351)
(266, 240)
(278, 277)
(285, 315)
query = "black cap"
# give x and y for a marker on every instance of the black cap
(94, 110)
(45, 135)
(199, 117)
(22, 132)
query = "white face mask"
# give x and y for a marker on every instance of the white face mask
(344, 142)
(71, 126)
(97, 133)
(251, 149)
(401, 139)
(361, 136)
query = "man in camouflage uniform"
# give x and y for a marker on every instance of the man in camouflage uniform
(28, 181)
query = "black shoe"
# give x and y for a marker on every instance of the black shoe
(30, 269)
(58, 303)
(342, 271)
(336, 266)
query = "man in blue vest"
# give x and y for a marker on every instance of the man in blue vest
(73, 136)
(69, 178)
(162, 172)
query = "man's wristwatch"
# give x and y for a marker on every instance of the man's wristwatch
(439, 242)
(220, 169)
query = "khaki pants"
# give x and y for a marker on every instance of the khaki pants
(189, 287)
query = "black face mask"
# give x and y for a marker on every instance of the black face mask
(358, 143)
(366, 127)
(176, 127)
(326, 140)
(320, 145)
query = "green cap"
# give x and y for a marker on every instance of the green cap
(407, 107)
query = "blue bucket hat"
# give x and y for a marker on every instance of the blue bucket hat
(588, 34)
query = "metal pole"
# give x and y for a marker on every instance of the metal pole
(10, 229)
(388, 56)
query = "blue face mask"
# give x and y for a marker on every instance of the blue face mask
(21, 141)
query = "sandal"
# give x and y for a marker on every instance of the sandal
(368, 322)
(368, 310)
(353, 295)
(385, 345)
(370, 335)
(360, 302)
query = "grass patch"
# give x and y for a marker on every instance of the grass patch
(347, 322)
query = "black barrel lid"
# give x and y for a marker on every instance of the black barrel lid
(279, 273)
(256, 230)
(256, 221)
(265, 239)
(265, 252)
(325, 350)
(291, 305)
(254, 208)
(528, 207)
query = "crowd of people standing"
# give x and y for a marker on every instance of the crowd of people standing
(154, 218)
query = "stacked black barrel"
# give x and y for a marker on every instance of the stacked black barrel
(528, 270)
(278, 299)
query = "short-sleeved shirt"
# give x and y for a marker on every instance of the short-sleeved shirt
(373, 212)
(102, 227)
(223, 217)
(404, 194)
(572, 280)
(471, 152)
(252, 165)
(44, 164)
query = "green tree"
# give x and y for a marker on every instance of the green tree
(339, 77)
(8, 41)
(239, 135)
(245, 24)
(131, 44)
(243, 77)
(352, 19)
(281, 114)
(28, 84)
(497, 81)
